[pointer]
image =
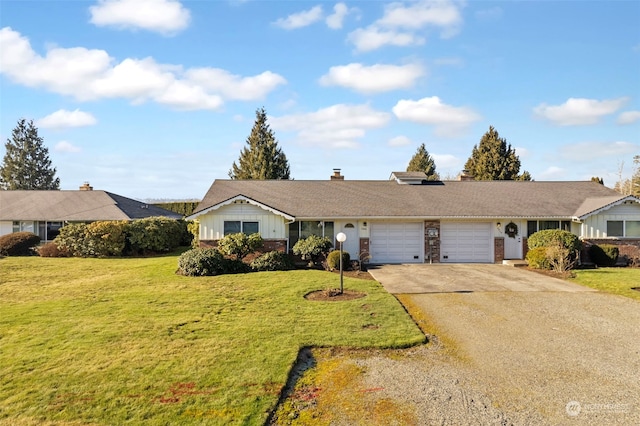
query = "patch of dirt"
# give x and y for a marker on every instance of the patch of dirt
(363, 275)
(333, 295)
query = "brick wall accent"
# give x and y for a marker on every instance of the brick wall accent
(525, 247)
(435, 242)
(364, 250)
(628, 249)
(498, 249)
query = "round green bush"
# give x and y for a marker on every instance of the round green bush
(201, 262)
(549, 237)
(604, 254)
(18, 244)
(333, 260)
(272, 261)
(537, 258)
(312, 247)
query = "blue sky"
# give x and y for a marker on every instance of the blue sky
(154, 99)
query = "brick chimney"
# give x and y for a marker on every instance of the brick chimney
(465, 176)
(336, 175)
(86, 187)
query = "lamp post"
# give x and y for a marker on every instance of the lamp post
(341, 237)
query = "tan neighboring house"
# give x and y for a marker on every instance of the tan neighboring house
(408, 219)
(45, 212)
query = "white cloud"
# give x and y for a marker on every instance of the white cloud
(63, 118)
(447, 119)
(300, 19)
(446, 161)
(338, 126)
(233, 86)
(399, 141)
(64, 146)
(373, 79)
(491, 14)
(92, 74)
(335, 20)
(522, 152)
(451, 61)
(372, 38)
(628, 117)
(579, 111)
(162, 16)
(401, 21)
(588, 151)
(552, 173)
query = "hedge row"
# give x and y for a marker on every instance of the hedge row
(18, 244)
(184, 208)
(122, 238)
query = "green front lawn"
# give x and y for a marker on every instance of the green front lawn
(612, 280)
(116, 341)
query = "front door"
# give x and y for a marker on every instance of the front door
(512, 241)
(352, 245)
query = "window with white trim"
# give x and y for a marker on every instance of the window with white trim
(237, 226)
(305, 228)
(534, 226)
(623, 228)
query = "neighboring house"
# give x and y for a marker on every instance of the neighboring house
(45, 212)
(408, 219)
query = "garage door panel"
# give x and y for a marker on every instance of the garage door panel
(396, 242)
(466, 242)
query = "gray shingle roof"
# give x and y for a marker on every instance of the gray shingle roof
(74, 206)
(450, 199)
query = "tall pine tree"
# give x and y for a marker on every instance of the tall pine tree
(26, 163)
(261, 159)
(494, 159)
(423, 162)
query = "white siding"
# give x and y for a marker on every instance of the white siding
(6, 227)
(212, 224)
(596, 226)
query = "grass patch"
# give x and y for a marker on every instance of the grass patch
(612, 280)
(115, 341)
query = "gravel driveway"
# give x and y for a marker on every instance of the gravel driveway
(514, 358)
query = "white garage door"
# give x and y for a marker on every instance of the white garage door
(396, 242)
(466, 242)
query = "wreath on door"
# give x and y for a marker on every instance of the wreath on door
(511, 230)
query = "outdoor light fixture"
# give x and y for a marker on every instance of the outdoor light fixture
(499, 225)
(341, 237)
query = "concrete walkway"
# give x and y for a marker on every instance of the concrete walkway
(465, 278)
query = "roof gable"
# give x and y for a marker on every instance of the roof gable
(596, 205)
(238, 198)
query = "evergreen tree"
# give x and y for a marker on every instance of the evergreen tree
(494, 159)
(597, 179)
(423, 162)
(26, 163)
(261, 159)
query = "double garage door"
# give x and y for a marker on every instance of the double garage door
(403, 242)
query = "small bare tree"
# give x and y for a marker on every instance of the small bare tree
(560, 258)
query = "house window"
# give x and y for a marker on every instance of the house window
(24, 226)
(632, 228)
(534, 226)
(236, 226)
(303, 229)
(615, 228)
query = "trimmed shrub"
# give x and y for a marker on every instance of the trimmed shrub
(537, 258)
(155, 234)
(52, 250)
(240, 245)
(272, 261)
(193, 227)
(234, 266)
(97, 239)
(312, 247)
(19, 244)
(604, 254)
(548, 237)
(333, 260)
(201, 262)
(72, 238)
